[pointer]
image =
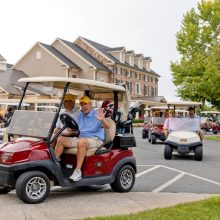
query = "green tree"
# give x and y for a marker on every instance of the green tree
(197, 74)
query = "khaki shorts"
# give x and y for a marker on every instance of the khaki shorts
(93, 143)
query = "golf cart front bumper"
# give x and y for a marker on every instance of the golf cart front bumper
(184, 148)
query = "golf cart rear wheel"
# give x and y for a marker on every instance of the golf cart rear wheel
(124, 180)
(153, 139)
(32, 187)
(198, 153)
(4, 189)
(167, 152)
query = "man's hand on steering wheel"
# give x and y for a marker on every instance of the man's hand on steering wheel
(70, 124)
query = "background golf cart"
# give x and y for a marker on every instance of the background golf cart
(183, 137)
(156, 131)
(29, 165)
(210, 125)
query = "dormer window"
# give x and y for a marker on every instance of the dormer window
(140, 63)
(122, 57)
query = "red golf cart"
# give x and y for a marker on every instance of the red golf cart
(28, 163)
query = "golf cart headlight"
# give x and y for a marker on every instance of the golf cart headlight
(6, 157)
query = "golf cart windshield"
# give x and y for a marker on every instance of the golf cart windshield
(184, 124)
(31, 123)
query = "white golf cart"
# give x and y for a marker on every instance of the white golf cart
(183, 136)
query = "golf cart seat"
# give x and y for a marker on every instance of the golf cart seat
(109, 137)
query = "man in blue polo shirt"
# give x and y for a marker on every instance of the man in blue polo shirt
(91, 126)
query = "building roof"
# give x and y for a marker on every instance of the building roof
(117, 49)
(60, 56)
(9, 82)
(86, 56)
(2, 58)
(106, 51)
(129, 52)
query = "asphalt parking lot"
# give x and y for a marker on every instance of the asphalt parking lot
(159, 183)
(181, 174)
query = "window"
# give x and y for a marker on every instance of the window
(38, 55)
(146, 90)
(118, 70)
(118, 81)
(152, 91)
(128, 86)
(155, 92)
(74, 76)
(138, 89)
(145, 78)
(128, 73)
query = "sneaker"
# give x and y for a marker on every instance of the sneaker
(77, 175)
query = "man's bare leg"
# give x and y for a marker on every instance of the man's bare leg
(82, 147)
(62, 142)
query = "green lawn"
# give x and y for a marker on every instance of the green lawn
(214, 138)
(208, 209)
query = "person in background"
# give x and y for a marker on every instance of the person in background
(8, 114)
(106, 105)
(192, 114)
(180, 115)
(166, 123)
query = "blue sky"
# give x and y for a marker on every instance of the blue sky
(145, 26)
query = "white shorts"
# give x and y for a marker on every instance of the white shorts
(93, 142)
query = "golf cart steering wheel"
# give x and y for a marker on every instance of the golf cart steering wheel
(69, 122)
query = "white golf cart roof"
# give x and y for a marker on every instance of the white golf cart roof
(76, 84)
(184, 104)
(97, 90)
(210, 112)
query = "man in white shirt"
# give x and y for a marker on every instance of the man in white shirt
(192, 114)
(70, 109)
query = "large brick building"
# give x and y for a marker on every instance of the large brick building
(84, 58)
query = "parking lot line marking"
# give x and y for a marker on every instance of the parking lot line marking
(186, 173)
(147, 171)
(160, 188)
(189, 174)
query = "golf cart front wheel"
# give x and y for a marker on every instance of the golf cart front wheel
(4, 189)
(124, 180)
(198, 153)
(153, 139)
(32, 187)
(167, 152)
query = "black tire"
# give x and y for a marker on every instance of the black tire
(144, 134)
(32, 187)
(199, 153)
(124, 180)
(153, 139)
(167, 152)
(4, 189)
(215, 132)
